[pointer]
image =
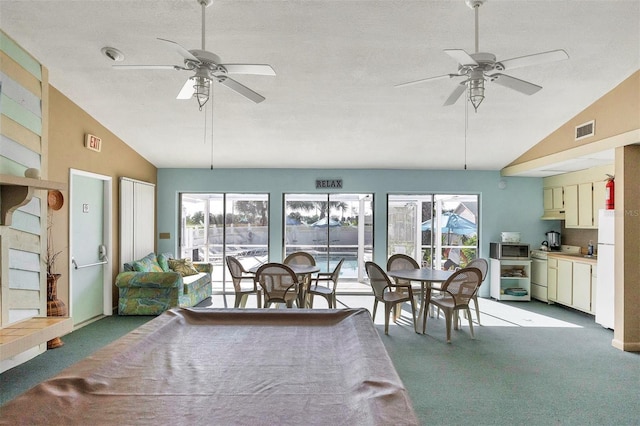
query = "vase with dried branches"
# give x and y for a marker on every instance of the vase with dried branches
(55, 306)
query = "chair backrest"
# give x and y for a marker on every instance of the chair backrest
(462, 285)
(336, 272)
(401, 261)
(235, 267)
(277, 280)
(481, 264)
(299, 258)
(378, 278)
(237, 270)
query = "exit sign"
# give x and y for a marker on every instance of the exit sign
(92, 142)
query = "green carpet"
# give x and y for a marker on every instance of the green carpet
(77, 345)
(531, 363)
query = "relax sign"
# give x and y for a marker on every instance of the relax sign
(328, 183)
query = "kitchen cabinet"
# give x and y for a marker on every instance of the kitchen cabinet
(594, 283)
(553, 202)
(510, 279)
(552, 279)
(571, 206)
(599, 190)
(553, 198)
(585, 205)
(565, 282)
(581, 286)
(576, 197)
(582, 202)
(572, 281)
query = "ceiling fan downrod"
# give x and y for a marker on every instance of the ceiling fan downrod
(475, 5)
(204, 4)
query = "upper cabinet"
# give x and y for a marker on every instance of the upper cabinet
(553, 200)
(582, 202)
(576, 197)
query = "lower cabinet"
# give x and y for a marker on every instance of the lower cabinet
(582, 286)
(572, 283)
(552, 279)
(565, 282)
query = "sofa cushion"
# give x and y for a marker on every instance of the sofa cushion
(149, 263)
(163, 261)
(183, 266)
(194, 282)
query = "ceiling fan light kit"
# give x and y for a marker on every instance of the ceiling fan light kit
(208, 67)
(479, 67)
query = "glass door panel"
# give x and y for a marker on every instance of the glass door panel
(217, 225)
(331, 227)
(434, 229)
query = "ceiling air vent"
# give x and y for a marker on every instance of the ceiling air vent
(586, 130)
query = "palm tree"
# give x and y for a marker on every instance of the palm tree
(322, 206)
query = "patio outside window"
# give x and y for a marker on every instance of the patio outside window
(331, 227)
(434, 228)
(217, 225)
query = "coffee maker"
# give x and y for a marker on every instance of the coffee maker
(553, 240)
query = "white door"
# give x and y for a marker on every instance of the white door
(90, 242)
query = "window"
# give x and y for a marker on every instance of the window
(331, 227)
(217, 225)
(437, 230)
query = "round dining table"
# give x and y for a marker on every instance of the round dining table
(427, 277)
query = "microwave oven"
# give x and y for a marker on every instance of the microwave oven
(506, 251)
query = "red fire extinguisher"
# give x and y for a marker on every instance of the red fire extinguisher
(609, 193)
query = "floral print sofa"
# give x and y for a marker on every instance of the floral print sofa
(155, 283)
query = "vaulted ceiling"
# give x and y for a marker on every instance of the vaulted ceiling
(333, 103)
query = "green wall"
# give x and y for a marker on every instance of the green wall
(517, 207)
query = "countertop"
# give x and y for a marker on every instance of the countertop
(576, 257)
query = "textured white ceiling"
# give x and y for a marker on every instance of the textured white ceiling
(333, 103)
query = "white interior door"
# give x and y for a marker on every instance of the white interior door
(90, 242)
(137, 220)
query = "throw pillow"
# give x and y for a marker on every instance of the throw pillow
(149, 263)
(183, 266)
(163, 261)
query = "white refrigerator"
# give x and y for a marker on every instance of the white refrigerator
(605, 285)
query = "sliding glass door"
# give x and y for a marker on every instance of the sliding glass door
(438, 230)
(217, 225)
(331, 227)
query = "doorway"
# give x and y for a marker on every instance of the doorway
(90, 241)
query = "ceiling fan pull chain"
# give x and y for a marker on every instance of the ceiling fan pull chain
(205, 124)
(466, 126)
(212, 136)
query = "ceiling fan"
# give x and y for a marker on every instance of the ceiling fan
(208, 68)
(478, 67)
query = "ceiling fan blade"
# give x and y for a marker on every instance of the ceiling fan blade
(241, 89)
(439, 77)
(181, 50)
(515, 83)
(187, 90)
(146, 67)
(455, 95)
(256, 69)
(462, 57)
(535, 59)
